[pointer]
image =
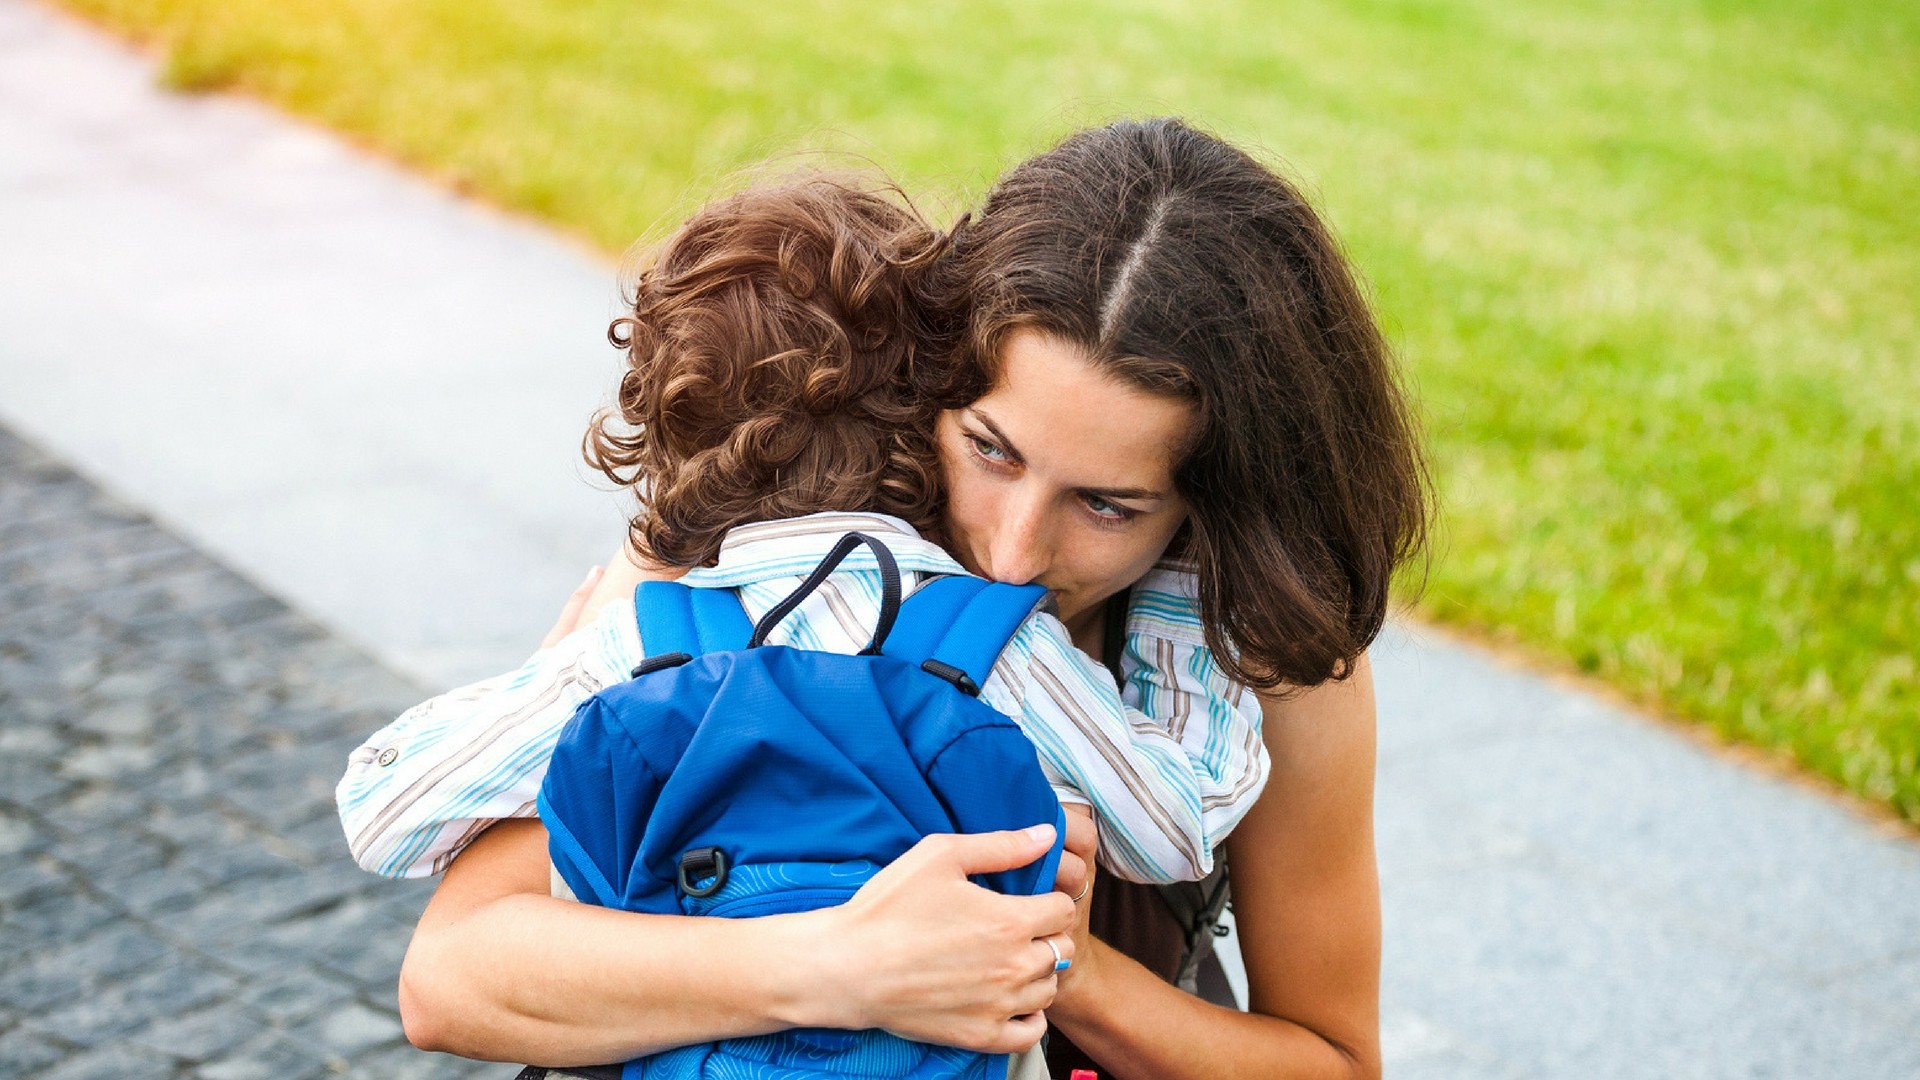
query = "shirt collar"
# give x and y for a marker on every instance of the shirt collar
(764, 549)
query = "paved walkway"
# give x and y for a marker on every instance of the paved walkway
(356, 391)
(174, 892)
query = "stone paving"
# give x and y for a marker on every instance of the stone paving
(175, 895)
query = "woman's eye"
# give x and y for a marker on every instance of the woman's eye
(986, 449)
(1103, 509)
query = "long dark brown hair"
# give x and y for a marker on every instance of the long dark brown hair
(770, 352)
(1185, 267)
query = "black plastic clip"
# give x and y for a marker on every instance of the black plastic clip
(659, 663)
(701, 863)
(960, 679)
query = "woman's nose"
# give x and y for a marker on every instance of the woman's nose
(1020, 552)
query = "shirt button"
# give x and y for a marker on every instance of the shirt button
(388, 756)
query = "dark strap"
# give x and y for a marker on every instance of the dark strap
(889, 591)
(588, 1072)
(1113, 635)
(1197, 907)
(676, 618)
(962, 624)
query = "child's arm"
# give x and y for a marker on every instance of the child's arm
(422, 787)
(1175, 683)
(1171, 675)
(1165, 794)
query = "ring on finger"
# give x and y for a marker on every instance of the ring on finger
(1060, 963)
(1084, 889)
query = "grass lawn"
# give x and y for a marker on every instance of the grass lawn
(1654, 267)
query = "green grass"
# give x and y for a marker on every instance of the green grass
(1654, 267)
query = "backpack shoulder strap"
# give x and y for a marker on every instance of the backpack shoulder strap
(676, 618)
(1198, 906)
(955, 627)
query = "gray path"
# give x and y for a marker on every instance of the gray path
(358, 392)
(175, 896)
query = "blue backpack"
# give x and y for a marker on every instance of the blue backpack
(733, 778)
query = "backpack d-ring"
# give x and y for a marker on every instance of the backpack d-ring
(699, 864)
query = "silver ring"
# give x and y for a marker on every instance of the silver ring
(1083, 891)
(1060, 963)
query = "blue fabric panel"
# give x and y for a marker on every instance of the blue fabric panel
(599, 792)
(989, 758)
(818, 1054)
(802, 756)
(573, 862)
(981, 630)
(962, 621)
(664, 612)
(719, 621)
(926, 615)
(679, 618)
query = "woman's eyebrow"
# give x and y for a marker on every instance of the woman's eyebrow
(1013, 452)
(994, 430)
(1124, 493)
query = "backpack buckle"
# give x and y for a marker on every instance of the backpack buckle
(701, 863)
(659, 663)
(961, 680)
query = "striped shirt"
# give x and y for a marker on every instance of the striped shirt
(1168, 777)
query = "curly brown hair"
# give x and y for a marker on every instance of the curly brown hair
(770, 354)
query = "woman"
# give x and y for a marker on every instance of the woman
(1153, 348)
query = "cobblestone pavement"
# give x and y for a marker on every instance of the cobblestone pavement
(175, 895)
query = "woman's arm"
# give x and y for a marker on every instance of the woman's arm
(1306, 900)
(616, 582)
(501, 971)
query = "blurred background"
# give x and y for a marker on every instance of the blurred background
(1652, 267)
(302, 312)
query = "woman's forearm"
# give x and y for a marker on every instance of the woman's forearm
(1306, 899)
(1142, 1028)
(502, 971)
(551, 982)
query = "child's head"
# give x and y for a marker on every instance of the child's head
(769, 359)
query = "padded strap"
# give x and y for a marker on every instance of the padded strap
(962, 622)
(680, 618)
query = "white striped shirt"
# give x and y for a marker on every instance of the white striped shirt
(1165, 789)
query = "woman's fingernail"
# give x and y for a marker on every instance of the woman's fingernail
(1041, 832)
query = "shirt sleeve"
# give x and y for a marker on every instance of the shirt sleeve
(1168, 672)
(1160, 807)
(421, 788)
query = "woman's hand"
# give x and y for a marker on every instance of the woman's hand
(928, 955)
(603, 587)
(570, 612)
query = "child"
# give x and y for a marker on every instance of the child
(768, 408)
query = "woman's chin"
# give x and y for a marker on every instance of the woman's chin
(1073, 610)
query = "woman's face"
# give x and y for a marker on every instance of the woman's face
(1062, 475)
